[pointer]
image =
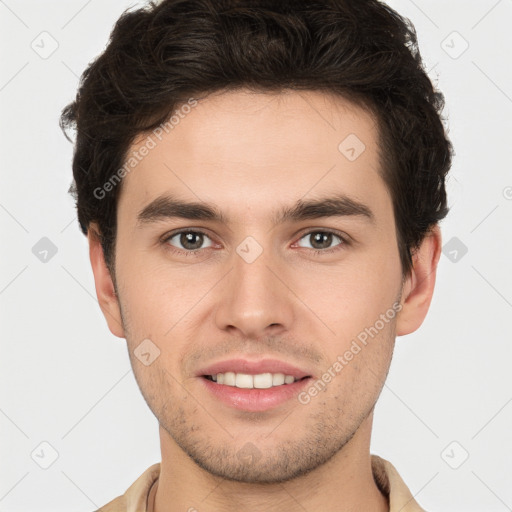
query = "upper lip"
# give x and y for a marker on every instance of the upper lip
(253, 368)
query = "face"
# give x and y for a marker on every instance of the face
(260, 273)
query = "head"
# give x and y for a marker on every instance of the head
(259, 112)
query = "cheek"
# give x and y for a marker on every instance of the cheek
(159, 384)
(144, 300)
(375, 283)
(164, 305)
(353, 296)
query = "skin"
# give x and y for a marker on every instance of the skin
(249, 153)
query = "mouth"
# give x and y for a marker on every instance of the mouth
(254, 393)
(254, 385)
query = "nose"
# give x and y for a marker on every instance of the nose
(255, 298)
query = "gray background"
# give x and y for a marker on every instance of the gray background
(444, 417)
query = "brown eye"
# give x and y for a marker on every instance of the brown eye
(188, 240)
(321, 240)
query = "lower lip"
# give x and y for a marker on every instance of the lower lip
(255, 400)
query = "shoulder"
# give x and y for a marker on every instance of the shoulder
(391, 484)
(135, 497)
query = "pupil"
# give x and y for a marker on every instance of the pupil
(326, 237)
(187, 238)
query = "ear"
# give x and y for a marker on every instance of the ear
(418, 288)
(105, 290)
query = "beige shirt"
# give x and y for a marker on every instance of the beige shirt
(135, 499)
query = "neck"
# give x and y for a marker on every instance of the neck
(344, 483)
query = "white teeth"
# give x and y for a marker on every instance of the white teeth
(278, 379)
(242, 380)
(263, 380)
(259, 381)
(229, 379)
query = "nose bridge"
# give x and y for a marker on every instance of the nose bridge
(253, 298)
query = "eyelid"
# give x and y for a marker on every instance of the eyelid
(310, 230)
(345, 239)
(171, 234)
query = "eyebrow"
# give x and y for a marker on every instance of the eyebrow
(169, 207)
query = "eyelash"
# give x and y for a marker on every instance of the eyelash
(195, 252)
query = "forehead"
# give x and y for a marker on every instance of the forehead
(243, 150)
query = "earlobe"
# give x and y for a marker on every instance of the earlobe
(105, 290)
(418, 288)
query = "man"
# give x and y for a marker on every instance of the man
(261, 184)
